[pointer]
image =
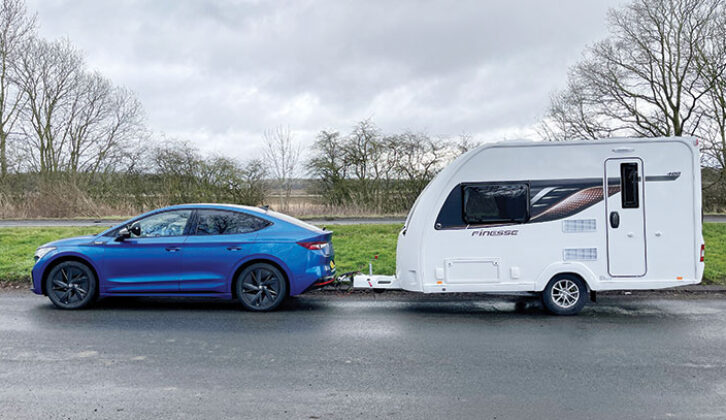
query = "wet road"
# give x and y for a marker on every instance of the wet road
(364, 356)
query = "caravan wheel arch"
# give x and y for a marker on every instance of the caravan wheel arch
(559, 268)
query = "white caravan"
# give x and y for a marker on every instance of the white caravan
(563, 219)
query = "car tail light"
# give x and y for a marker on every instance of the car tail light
(313, 246)
(703, 251)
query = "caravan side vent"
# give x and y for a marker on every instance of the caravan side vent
(579, 225)
(581, 254)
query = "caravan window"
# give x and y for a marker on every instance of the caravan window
(495, 203)
(629, 185)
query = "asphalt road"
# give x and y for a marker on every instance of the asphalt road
(351, 221)
(363, 356)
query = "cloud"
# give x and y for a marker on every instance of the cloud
(220, 73)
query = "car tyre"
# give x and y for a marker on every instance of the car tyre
(565, 294)
(261, 287)
(71, 285)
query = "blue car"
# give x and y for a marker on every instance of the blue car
(205, 250)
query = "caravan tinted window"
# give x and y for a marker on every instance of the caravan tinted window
(629, 185)
(495, 203)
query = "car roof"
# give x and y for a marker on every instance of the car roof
(254, 210)
(219, 206)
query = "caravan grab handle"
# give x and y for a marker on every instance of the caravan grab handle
(614, 219)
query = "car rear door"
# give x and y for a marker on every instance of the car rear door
(220, 239)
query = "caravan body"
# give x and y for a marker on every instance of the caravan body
(513, 216)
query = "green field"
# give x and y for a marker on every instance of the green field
(354, 245)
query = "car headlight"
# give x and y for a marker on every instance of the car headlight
(42, 252)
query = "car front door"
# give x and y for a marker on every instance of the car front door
(152, 261)
(219, 240)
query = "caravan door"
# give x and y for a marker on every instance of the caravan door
(625, 217)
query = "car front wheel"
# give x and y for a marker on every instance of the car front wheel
(261, 287)
(71, 285)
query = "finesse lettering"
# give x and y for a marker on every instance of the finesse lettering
(513, 232)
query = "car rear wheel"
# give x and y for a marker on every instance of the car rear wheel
(71, 285)
(261, 287)
(565, 294)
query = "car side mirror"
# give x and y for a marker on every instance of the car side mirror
(135, 229)
(123, 234)
(126, 232)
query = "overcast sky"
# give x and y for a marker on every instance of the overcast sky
(218, 73)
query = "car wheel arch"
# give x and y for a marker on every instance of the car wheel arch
(65, 258)
(256, 260)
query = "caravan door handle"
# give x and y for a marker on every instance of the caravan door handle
(614, 219)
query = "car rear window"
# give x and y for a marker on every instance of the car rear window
(221, 222)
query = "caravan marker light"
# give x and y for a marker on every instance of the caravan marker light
(703, 251)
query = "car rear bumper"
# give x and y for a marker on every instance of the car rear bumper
(320, 283)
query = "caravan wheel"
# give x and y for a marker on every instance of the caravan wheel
(565, 294)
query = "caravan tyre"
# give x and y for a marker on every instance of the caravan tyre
(565, 294)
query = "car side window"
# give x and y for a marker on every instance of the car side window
(221, 222)
(168, 223)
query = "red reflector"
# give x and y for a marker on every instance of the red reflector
(315, 246)
(703, 251)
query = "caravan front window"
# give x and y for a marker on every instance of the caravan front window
(495, 203)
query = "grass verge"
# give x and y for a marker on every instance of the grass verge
(17, 246)
(355, 246)
(715, 236)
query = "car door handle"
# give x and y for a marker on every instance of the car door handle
(172, 249)
(234, 248)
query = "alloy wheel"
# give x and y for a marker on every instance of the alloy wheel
(262, 288)
(565, 293)
(71, 285)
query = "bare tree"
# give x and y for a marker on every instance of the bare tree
(647, 78)
(15, 28)
(713, 125)
(281, 154)
(327, 165)
(103, 123)
(421, 156)
(49, 75)
(464, 143)
(376, 172)
(255, 184)
(363, 153)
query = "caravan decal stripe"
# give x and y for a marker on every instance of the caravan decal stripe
(571, 204)
(550, 200)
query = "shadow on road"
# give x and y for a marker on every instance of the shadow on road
(182, 304)
(204, 312)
